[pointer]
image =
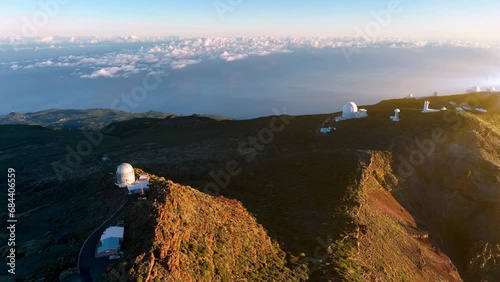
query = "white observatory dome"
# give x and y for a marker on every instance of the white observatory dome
(350, 111)
(125, 175)
(350, 108)
(474, 89)
(491, 89)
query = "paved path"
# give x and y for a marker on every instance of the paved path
(92, 268)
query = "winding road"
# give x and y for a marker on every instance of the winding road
(92, 268)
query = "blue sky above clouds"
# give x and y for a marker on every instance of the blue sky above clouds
(466, 20)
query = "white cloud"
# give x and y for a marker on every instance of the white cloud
(150, 58)
(236, 57)
(125, 59)
(156, 49)
(93, 61)
(183, 63)
(63, 64)
(178, 66)
(99, 73)
(263, 53)
(43, 64)
(47, 39)
(154, 72)
(121, 71)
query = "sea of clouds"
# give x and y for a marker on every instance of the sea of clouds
(156, 55)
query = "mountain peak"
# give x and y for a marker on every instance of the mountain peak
(191, 236)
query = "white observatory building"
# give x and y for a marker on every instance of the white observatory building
(474, 89)
(491, 89)
(427, 109)
(125, 175)
(351, 111)
(395, 117)
(125, 178)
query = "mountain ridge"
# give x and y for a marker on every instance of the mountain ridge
(87, 119)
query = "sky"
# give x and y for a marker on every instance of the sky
(428, 20)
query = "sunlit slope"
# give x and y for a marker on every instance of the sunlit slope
(385, 242)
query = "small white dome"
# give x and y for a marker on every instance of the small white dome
(125, 168)
(397, 111)
(491, 89)
(350, 107)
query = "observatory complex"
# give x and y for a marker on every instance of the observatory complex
(125, 178)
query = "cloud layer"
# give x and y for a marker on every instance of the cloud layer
(154, 55)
